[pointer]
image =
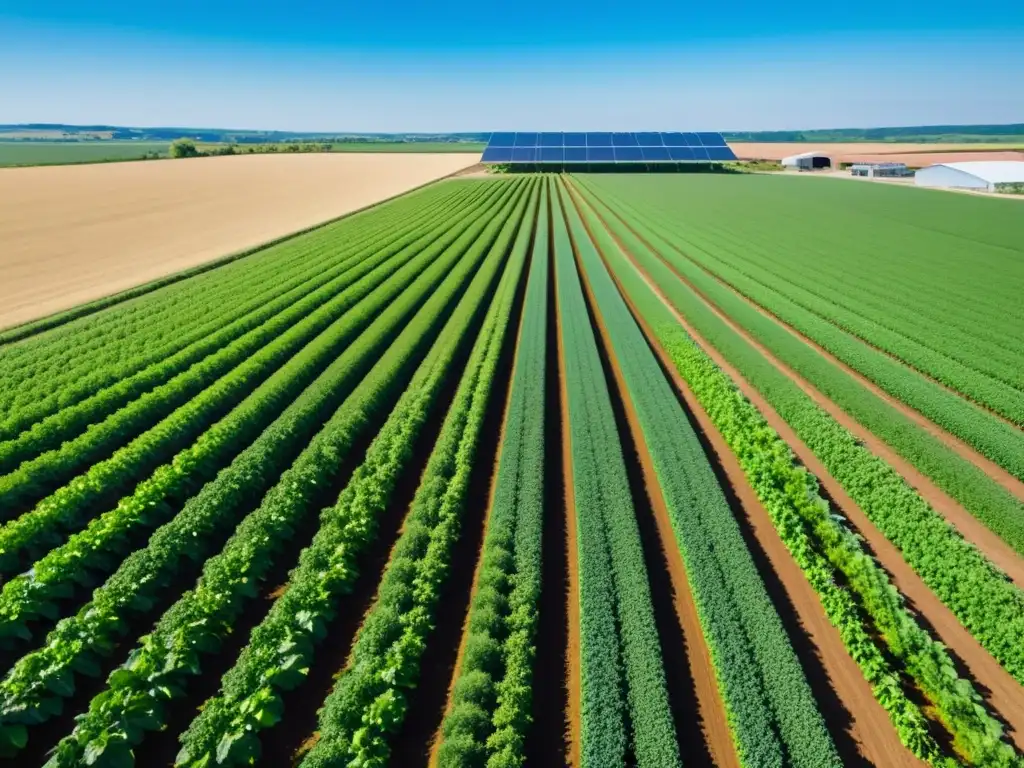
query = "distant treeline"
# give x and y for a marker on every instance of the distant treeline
(919, 133)
(228, 136)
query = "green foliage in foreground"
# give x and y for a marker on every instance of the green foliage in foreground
(773, 715)
(368, 703)
(493, 691)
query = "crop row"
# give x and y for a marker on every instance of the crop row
(323, 331)
(621, 669)
(33, 689)
(55, 410)
(994, 506)
(773, 715)
(493, 690)
(828, 553)
(369, 700)
(159, 669)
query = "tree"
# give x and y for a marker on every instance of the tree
(184, 148)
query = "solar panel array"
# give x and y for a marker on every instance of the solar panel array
(627, 147)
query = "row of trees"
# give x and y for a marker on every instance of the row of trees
(189, 148)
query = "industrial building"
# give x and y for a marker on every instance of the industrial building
(989, 175)
(807, 161)
(880, 170)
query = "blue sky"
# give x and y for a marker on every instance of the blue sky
(451, 66)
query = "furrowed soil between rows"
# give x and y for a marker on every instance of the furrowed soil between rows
(1002, 693)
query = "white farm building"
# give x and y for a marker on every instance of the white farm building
(807, 160)
(978, 174)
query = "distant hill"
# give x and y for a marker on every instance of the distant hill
(62, 132)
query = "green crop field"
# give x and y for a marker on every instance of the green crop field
(15, 153)
(590, 470)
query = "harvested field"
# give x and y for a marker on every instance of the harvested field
(70, 234)
(914, 155)
(577, 470)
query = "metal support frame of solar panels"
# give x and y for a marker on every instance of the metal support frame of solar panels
(534, 148)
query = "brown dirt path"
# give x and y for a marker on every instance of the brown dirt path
(963, 449)
(1003, 694)
(715, 726)
(870, 729)
(70, 234)
(972, 529)
(573, 673)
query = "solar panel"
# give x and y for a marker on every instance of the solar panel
(554, 147)
(552, 155)
(649, 139)
(681, 154)
(655, 154)
(720, 153)
(497, 155)
(524, 155)
(502, 140)
(711, 139)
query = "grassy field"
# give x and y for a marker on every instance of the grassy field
(26, 153)
(20, 153)
(590, 470)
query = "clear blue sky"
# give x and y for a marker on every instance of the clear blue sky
(459, 66)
